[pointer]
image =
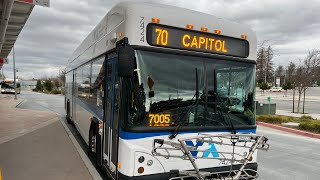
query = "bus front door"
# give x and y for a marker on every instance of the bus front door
(73, 98)
(111, 117)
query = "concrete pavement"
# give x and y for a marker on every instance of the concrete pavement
(284, 102)
(288, 113)
(283, 97)
(35, 145)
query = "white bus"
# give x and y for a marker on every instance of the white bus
(7, 86)
(161, 92)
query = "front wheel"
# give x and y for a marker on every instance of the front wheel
(95, 145)
(68, 114)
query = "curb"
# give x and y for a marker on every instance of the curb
(290, 130)
(18, 103)
(92, 170)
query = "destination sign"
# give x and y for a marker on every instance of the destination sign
(178, 38)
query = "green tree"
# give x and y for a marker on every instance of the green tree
(290, 72)
(287, 85)
(39, 86)
(264, 69)
(48, 85)
(263, 86)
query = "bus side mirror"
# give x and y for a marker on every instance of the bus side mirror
(125, 61)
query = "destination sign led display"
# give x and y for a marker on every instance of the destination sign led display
(178, 38)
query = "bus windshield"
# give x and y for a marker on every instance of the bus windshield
(166, 91)
(8, 85)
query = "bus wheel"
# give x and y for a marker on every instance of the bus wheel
(92, 141)
(68, 113)
(95, 144)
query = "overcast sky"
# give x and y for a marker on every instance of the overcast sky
(291, 27)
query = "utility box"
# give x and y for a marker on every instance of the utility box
(263, 108)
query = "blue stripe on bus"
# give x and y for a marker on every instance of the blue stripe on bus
(93, 109)
(135, 135)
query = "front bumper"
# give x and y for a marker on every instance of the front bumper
(165, 176)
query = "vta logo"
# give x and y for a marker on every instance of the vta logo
(211, 150)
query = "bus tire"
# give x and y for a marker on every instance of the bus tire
(94, 144)
(68, 113)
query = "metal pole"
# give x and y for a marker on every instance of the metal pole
(2, 76)
(304, 100)
(294, 90)
(269, 108)
(14, 74)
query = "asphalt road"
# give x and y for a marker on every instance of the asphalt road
(42, 102)
(290, 156)
(285, 103)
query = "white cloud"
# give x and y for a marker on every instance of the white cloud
(50, 36)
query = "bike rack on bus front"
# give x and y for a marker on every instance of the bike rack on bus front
(169, 149)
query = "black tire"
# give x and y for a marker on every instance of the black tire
(92, 142)
(94, 149)
(68, 114)
(68, 119)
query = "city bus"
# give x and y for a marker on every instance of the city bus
(7, 86)
(161, 92)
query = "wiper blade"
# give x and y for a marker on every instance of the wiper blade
(169, 104)
(221, 104)
(233, 129)
(183, 113)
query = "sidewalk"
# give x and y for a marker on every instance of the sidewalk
(288, 113)
(35, 145)
(281, 96)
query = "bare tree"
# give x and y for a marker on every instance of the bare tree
(62, 76)
(306, 74)
(2, 76)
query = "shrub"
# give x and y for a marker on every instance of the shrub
(306, 118)
(48, 85)
(275, 119)
(39, 86)
(56, 91)
(264, 86)
(311, 125)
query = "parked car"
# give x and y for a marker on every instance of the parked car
(276, 89)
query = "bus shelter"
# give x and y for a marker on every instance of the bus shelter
(14, 15)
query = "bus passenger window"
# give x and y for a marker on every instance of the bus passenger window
(83, 81)
(97, 83)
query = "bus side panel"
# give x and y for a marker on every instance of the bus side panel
(83, 119)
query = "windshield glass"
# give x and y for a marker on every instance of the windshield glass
(166, 91)
(7, 85)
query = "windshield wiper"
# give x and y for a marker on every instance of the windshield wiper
(233, 129)
(168, 104)
(220, 100)
(183, 113)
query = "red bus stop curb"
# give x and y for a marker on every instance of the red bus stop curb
(290, 130)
